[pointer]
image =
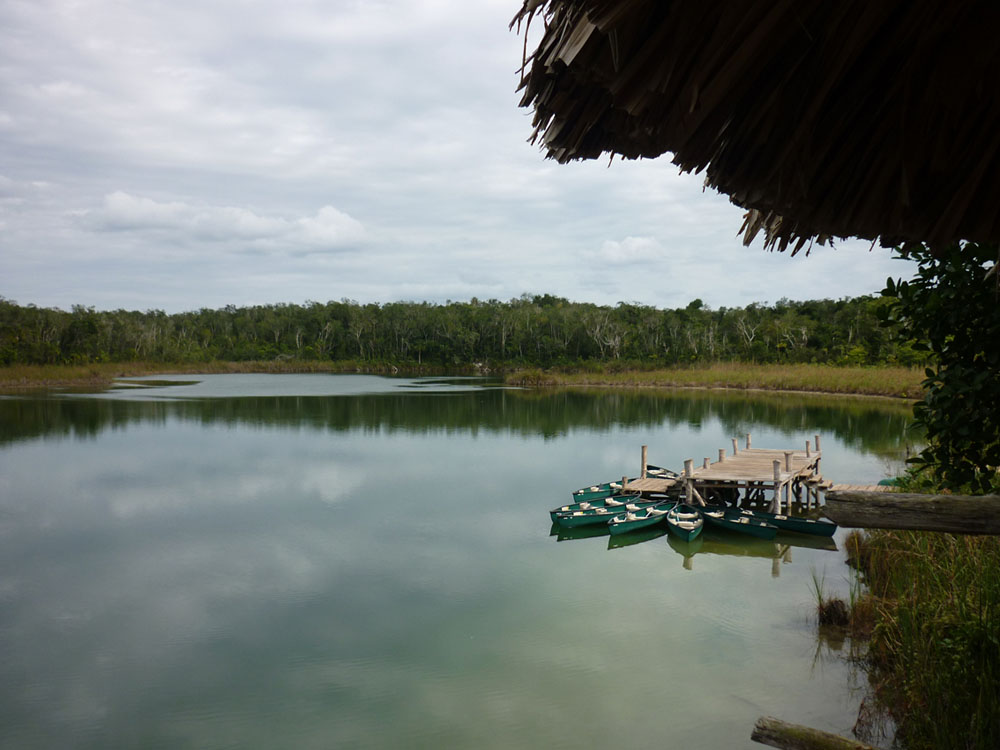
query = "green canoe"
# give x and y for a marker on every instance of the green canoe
(632, 520)
(587, 516)
(741, 522)
(604, 489)
(685, 522)
(618, 500)
(795, 523)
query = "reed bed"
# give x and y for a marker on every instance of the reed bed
(934, 653)
(899, 382)
(96, 375)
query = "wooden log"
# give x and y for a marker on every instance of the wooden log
(748, 441)
(961, 514)
(777, 733)
(736, 447)
(705, 464)
(788, 460)
(688, 467)
(722, 455)
(808, 450)
(645, 450)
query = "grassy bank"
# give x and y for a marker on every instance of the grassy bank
(900, 382)
(22, 377)
(934, 654)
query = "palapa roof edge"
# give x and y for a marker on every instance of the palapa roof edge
(878, 120)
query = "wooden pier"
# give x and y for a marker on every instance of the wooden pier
(747, 473)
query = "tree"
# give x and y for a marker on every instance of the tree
(953, 304)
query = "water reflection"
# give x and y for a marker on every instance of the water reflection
(877, 426)
(371, 569)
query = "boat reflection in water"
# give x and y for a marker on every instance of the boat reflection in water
(711, 541)
(563, 534)
(779, 550)
(637, 537)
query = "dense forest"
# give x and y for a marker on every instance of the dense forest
(539, 330)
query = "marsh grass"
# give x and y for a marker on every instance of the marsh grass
(21, 377)
(900, 382)
(934, 653)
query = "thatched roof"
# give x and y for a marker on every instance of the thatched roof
(862, 118)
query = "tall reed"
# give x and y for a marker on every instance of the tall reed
(934, 655)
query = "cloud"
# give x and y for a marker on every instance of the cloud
(185, 223)
(631, 251)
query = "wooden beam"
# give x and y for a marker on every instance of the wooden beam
(962, 514)
(777, 733)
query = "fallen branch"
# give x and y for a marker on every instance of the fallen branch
(777, 733)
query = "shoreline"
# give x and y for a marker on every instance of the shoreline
(880, 382)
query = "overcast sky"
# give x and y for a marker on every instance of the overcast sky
(179, 154)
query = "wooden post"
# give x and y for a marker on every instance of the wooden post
(808, 450)
(695, 495)
(706, 463)
(777, 733)
(688, 467)
(776, 503)
(748, 441)
(624, 483)
(788, 460)
(736, 447)
(816, 437)
(722, 455)
(645, 450)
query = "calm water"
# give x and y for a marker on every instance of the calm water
(319, 561)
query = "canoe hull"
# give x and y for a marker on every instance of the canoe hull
(624, 523)
(615, 500)
(739, 522)
(573, 519)
(797, 524)
(685, 522)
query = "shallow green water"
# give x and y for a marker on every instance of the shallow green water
(351, 561)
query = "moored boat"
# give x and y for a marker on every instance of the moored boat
(601, 514)
(639, 519)
(685, 522)
(618, 500)
(741, 522)
(596, 491)
(604, 489)
(795, 523)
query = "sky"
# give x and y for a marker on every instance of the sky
(183, 155)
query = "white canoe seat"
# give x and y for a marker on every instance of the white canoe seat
(687, 524)
(782, 518)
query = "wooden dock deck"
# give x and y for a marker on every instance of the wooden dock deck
(747, 471)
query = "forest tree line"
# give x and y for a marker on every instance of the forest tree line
(537, 330)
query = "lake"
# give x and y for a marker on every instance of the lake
(318, 561)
